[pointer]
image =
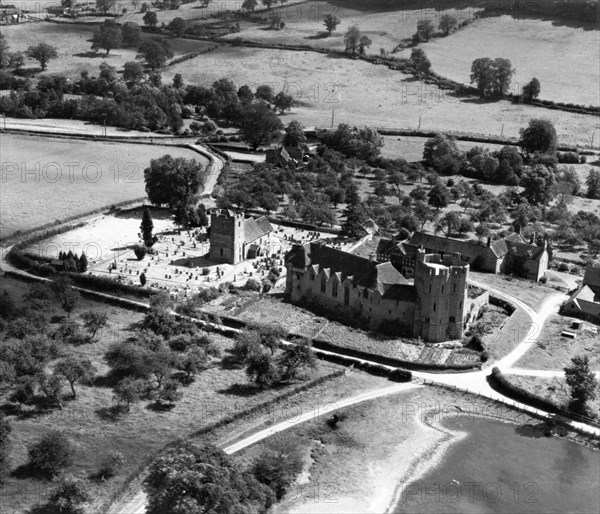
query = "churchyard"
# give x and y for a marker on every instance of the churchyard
(179, 260)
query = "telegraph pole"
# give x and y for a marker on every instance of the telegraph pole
(332, 116)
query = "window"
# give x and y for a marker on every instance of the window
(334, 289)
(430, 288)
(221, 251)
(298, 276)
(323, 284)
(452, 319)
(442, 289)
(460, 305)
(365, 293)
(434, 307)
(454, 288)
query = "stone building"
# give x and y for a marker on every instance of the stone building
(435, 307)
(235, 238)
(511, 254)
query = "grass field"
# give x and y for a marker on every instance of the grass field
(73, 42)
(143, 431)
(360, 94)
(46, 179)
(563, 58)
(554, 351)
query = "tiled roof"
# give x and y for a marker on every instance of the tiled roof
(526, 250)
(592, 276)
(386, 245)
(583, 299)
(402, 292)
(255, 229)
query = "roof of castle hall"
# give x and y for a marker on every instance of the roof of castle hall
(362, 271)
(512, 243)
(256, 228)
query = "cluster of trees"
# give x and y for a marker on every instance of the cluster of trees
(267, 362)
(426, 28)
(356, 42)
(492, 76)
(42, 52)
(73, 263)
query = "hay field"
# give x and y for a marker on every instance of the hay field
(564, 59)
(73, 42)
(366, 94)
(45, 179)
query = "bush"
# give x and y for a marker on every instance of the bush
(400, 375)
(252, 285)
(51, 454)
(68, 493)
(140, 251)
(562, 266)
(111, 464)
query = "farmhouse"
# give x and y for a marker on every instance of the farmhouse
(510, 254)
(435, 307)
(284, 155)
(235, 238)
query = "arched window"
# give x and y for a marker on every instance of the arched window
(323, 284)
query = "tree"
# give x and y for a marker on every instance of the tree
(582, 381)
(17, 60)
(279, 464)
(262, 369)
(94, 321)
(532, 89)
(150, 19)
(264, 92)
(5, 430)
(442, 153)
(51, 454)
(111, 463)
(283, 102)
(439, 196)
(147, 226)
(539, 136)
(171, 181)
(421, 62)
(42, 53)
(66, 294)
(68, 493)
(593, 184)
(75, 370)
(260, 125)
(492, 77)
(245, 95)
(130, 33)
(447, 23)
(127, 391)
(4, 51)
(105, 5)
(133, 71)
(178, 81)
(193, 479)
(450, 222)
(170, 392)
(294, 134)
(154, 52)
(107, 37)
(296, 357)
(537, 183)
(363, 42)
(82, 263)
(331, 21)
(177, 26)
(352, 39)
(249, 5)
(425, 29)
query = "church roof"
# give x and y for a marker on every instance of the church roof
(256, 228)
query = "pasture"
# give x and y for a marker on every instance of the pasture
(563, 58)
(360, 93)
(73, 42)
(45, 180)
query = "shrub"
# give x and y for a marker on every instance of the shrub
(68, 493)
(400, 375)
(562, 266)
(111, 464)
(51, 454)
(252, 285)
(140, 251)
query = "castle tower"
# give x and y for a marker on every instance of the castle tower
(227, 237)
(441, 284)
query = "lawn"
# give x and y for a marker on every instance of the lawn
(360, 93)
(73, 177)
(554, 351)
(73, 42)
(564, 58)
(554, 389)
(143, 431)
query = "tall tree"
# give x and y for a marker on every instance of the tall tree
(425, 29)
(4, 51)
(421, 62)
(593, 184)
(492, 77)
(439, 196)
(331, 21)
(262, 369)
(294, 134)
(150, 19)
(447, 23)
(154, 52)
(130, 32)
(42, 53)
(582, 381)
(107, 36)
(66, 294)
(147, 226)
(538, 184)
(260, 125)
(539, 136)
(75, 370)
(352, 39)
(532, 89)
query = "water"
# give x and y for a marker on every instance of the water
(502, 468)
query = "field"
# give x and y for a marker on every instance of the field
(554, 351)
(73, 43)
(45, 179)
(563, 58)
(360, 93)
(94, 431)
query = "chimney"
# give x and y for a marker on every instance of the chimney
(517, 228)
(489, 241)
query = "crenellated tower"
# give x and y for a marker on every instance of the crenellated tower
(441, 286)
(226, 236)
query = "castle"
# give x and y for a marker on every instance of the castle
(235, 238)
(435, 308)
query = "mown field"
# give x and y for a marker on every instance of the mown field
(360, 93)
(562, 57)
(88, 422)
(73, 177)
(73, 42)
